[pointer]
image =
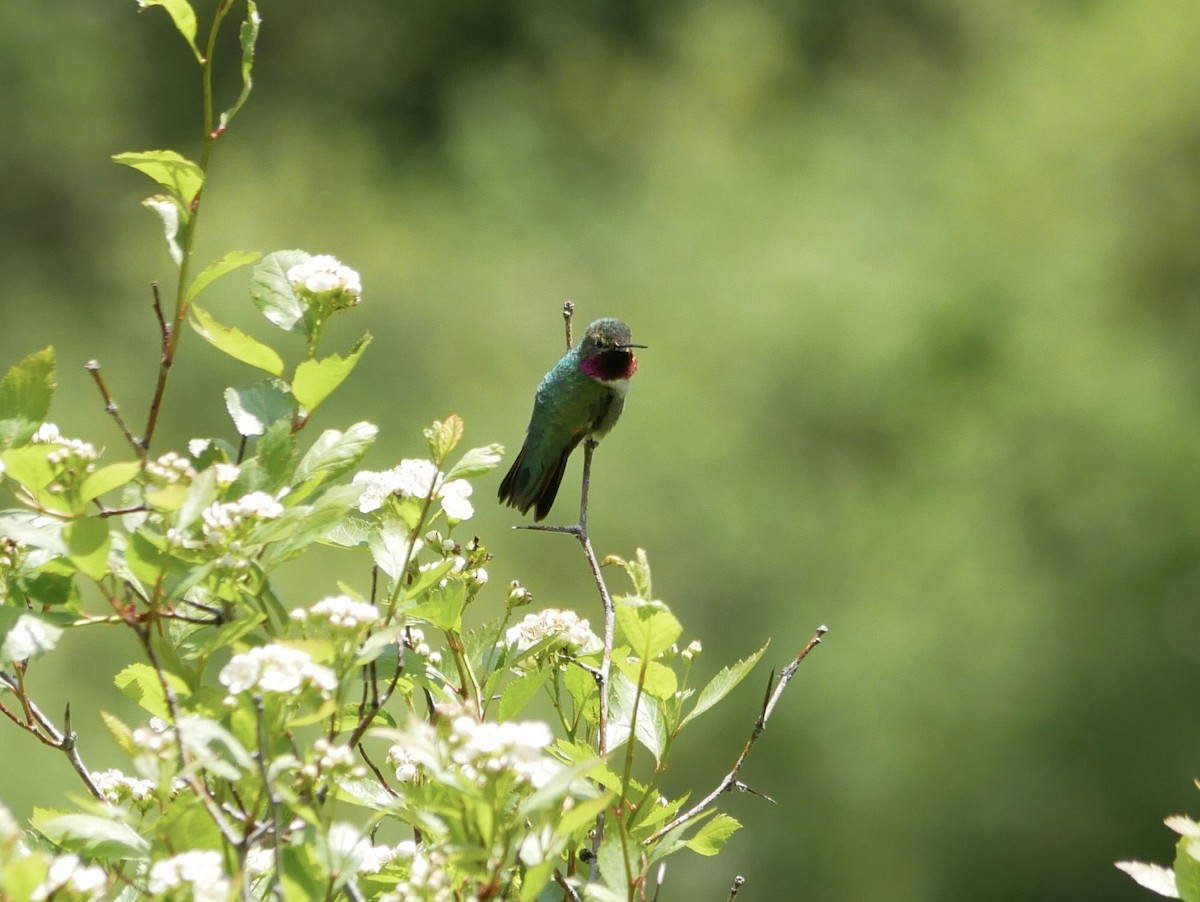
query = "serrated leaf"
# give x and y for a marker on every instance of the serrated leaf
(141, 683)
(236, 343)
(227, 264)
(476, 462)
(1153, 877)
(649, 627)
(444, 436)
(659, 680)
(391, 548)
(172, 170)
(24, 635)
(99, 837)
(520, 692)
(316, 380)
(108, 478)
(335, 452)
(443, 607)
(182, 15)
(713, 835)
(34, 529)
(88, 544)
(273, 294)
(30, 467)
(723, 683)
(1187, 868)
(25, 395)
(171, 216)
(273, 462)
(255, 407)
(649, 727)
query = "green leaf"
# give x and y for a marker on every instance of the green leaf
(173, 171)
(273, 294)
(24, 635)
(183, 16)
(247, 37)
(50, 586)
(444, 607)
(147, 561)
(227, 264)
(444, 436)
(391, 548)
(34, 529)
(476, 462)
(335, 453)
(201, 493)
(171, 214)
(1187, 868)
(255, 407)
(99, 837)
(236, 343)
(108, 478)
(649, 627)
(520, 692)
(723, 683)
(274, 459)
(315, 380)
(88, 544)
(141, 683)
(649, 727)
(25, 395)
(712, 836)
(659, 681)
(29, 466)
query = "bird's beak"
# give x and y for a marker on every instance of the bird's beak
(627, 347)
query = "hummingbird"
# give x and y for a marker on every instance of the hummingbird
(580, 398)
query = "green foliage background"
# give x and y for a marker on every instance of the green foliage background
(921, 285)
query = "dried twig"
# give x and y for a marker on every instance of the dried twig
(110, 407)
(730, 780)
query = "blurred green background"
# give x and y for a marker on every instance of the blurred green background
(921, 285)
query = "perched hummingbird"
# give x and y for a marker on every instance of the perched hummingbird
(581, 397)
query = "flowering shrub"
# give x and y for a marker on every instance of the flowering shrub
(365, 744)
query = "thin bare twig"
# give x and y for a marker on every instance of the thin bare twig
(110, 407)
(568, 890)
(730, 780)
(44, 729)
(568, 312)
(738, 882)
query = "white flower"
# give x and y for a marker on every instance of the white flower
(375, 858)
(68, 873)
(276, 668)
(454, 497)
(324, 274)
(171, 468)
(46, 434)
(490, 748)
(406, 765)
(116, 786)
(566, 626)
(226, 474)
(340, 612)
(259, 860)
(418, 479)
(200, 869)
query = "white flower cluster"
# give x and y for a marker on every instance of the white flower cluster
(170, 468)
(327, 277)
(480, 749)
(406, 764)
(332, 760)
(223, 519)
(72, 448)
(573, 632)
(116, 786)
(199, 870)
(415, 479)
(428, 878)
(276, 668)
(339, 612)
(69, 876)
(156, 737)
